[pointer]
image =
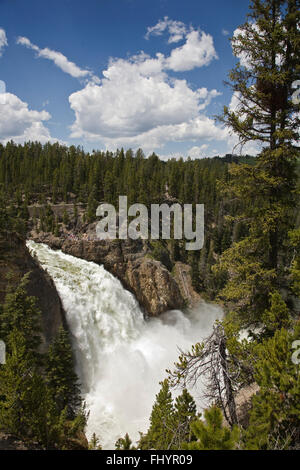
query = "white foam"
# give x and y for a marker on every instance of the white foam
(121, 358)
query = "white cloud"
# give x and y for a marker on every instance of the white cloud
(199, 128)
(242, 56)
(197, 51)
(176, 29)
(198, 152)
(234, 102)
(137, 104)
(225, 32)
(250, 148)
(59, 59)
(20, 124)
(3, 41)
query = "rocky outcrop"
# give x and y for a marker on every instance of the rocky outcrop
(243, 403)
(149, 280)
(183, 277)
(153, 285)
(15, 261)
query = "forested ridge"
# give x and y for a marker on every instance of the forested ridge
(250, 261)
(51, 174)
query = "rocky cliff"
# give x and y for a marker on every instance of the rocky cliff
(149, 280)
(15, 261)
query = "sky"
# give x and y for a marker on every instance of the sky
(106, 74)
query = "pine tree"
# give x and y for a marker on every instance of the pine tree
(20, 312)
(269, 46)
(91, 206)
(275, 414)
(294, 236)
(161, 431)
(56, 231)
(60, 374)
(278, 316)
(94, 443)
(124, 443)
(66, 219)
(211, 434)
(27, 409)
(15, 377)
(185, 414)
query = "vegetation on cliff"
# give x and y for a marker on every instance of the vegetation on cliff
(39, 395)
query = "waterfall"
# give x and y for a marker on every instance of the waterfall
(120, 357)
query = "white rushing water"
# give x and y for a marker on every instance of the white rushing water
(121, 358)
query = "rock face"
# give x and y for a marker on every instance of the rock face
(152, 284)
(243, 402)
(183, 277)
(154, 287)
(15, 261)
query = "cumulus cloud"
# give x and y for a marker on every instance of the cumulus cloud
(20, 124)
(199, 128)
(198, 151)
(234, 104)
(197, 51)
(225, 32)
(59, 60)
(137, 103)
(176, 29)
(3, 41)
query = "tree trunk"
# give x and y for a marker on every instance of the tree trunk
(228, 387)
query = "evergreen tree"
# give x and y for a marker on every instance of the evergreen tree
(91, 206)
(15, 377)
(211, 434)
(278, 316)
(161, 431)
(275, 414)
(124, 443)
(185, 414)
(295, 267)
(66, 219)
(60, 374)
(265, 114)
(26, 407)
(94, 443)
(20, 312)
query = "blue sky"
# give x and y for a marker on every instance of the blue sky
(111, 73)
